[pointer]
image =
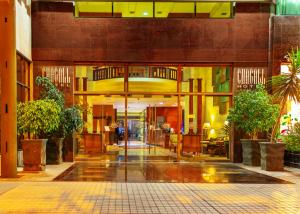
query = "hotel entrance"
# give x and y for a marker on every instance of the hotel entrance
(138, 112)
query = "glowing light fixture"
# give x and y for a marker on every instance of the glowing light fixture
(145, 13)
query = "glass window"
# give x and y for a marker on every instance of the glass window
(212, 79)
(100, 78)
(288, 7)
(174, 9)
(213, 10)
(133, 9)
(152, 78)
(93, 9)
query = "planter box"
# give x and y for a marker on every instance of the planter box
(34, 154)
(251, 151)
(54, 151)
(292, 159)
(272, 156)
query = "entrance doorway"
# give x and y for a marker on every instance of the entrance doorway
(155, 112)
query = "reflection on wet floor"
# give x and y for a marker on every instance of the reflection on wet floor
(163, 171)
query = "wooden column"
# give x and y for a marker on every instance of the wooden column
(8, 70)
(191, 106)
(126, 106)
(179, 78)
(85, 104)
(199, 110)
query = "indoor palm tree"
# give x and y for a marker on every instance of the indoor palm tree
(286, 86)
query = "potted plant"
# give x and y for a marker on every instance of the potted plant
(292, 147)
(253, 112)
(284, 87)
(55, 139)
(38, 118)
(73, 122)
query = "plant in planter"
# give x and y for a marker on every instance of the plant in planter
(253, 112)
(72, 123)
(55, 138)
(39, 118)
(284, 87)
(292, 147)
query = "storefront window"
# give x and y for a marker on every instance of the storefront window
(22, 79)
(288, 7)
(153, 9)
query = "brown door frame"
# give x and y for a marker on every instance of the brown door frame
(178, 92)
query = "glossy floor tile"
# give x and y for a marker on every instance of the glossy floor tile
(163, 171)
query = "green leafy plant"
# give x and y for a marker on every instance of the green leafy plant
(253, 111)
(38, 117)
(292, 140)
(50, 91)
(72, 120)
(286, 86)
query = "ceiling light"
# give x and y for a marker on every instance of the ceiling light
(145, 13)
(161, 103)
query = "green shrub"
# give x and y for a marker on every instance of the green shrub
(292, 140)
(253, 111)
(38, 117)
(72, 120)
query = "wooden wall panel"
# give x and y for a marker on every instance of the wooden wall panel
(285, 31)
(66, 38)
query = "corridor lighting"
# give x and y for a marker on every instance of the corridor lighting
(145, 13)
(161, 103)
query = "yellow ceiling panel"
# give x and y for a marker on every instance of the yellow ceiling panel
(163, 9)
(95, 7)
(134, 9)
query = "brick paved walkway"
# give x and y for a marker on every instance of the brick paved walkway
(106, 197)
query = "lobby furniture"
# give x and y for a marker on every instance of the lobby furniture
(216, 148)
(93, 143)
(174, 142)
(191, 143)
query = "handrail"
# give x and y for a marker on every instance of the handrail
(112, 72)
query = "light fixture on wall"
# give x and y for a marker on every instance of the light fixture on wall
(206, 127)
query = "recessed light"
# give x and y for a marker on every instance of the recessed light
(161, 103)
(145, 13)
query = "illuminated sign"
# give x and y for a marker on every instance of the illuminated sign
(59, 75)
(248, 77)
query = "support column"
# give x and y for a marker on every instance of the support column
(126, 113)
(8, 71)
(199, 110)
(179, 111)
(191, 106)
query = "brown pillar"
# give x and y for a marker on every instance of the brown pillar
(179, 111)
(8, 63)
(85, 104)
(199, 109)
(191, 106)
(126, 115)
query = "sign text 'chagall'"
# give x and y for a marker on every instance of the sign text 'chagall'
(247, 78)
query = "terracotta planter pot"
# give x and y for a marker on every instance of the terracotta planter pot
(251, 151)
(272, 156)
(54, 150)
(34, 154)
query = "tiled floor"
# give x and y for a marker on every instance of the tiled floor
(92, 197)
(168, 171)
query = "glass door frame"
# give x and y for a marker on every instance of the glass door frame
(126, 92)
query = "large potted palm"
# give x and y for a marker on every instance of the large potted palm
(55, 139)
(284, 87)
(39, 118)
(253, 112)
